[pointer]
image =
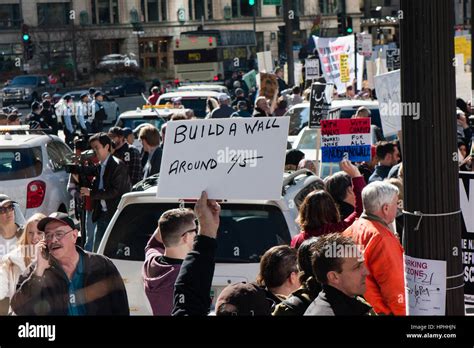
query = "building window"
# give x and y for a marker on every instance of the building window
(53, 14)
(105, 11)
(199, 9)
(328, 7)
(9, 53)
(155, 54)
(154, 10)
(10, 16)
(241, 8)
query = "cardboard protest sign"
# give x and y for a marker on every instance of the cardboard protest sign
(319, 107)
(250, 79)
(268, 85)
(388, 89)
(346, 137)
(235, 158)
(466, 194)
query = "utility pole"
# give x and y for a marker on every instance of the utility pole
(289, 14)
(431, 185)
(74, 48)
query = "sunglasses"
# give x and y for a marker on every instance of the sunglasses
(4, 210)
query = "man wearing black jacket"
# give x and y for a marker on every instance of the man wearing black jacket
(108, 186)
(66, 280)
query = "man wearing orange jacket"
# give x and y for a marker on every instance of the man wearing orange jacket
(383, 252)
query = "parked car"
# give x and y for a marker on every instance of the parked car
(111, 107)
(247, 229)
(203, 87)
(135, 119)
(25, 89)
(299, 114)
(32, 170)
(112, 62)
(195, 100)
(123, 86)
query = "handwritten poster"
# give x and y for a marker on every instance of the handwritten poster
(425, 286)
(229, 158)
(389, 95)
(466, 195)
(346, 137)
(311, 69)
(344, 65)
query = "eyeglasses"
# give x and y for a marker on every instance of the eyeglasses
(58, 234)
(191, 231)
(4, 210)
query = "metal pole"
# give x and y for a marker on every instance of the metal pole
(255, 20)
(289, 42)
(74, 48)
(355, 62)
(431, 183)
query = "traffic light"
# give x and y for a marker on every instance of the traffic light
(341, 24)
(251, 2)
(349, 29)
(25, 35)
(28, 49)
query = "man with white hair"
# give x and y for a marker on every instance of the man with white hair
(224, 110)
(383, 252)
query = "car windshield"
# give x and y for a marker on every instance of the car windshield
(246, 231)
(133, 123)
(24, 80)
(20, 163)
(198, 104)
(308, 140)
(298, 119)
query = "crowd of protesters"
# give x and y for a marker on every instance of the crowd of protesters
(358, 209)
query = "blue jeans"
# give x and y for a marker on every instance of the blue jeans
(100, 227)
(90, 229)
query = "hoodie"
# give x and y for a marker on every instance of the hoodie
(11, 267)
(159, 275)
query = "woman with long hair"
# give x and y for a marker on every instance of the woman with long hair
(319, 215)
(15, 262)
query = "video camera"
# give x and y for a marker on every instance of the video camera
(82, 164)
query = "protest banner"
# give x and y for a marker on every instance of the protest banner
(466, 194)
(346, 137)
(319, 105)
(462, 45)
(344, 67)
(329, 50)
(235, 158)
(268, 85)
(311, 69)
(388, 89)
(425, 286)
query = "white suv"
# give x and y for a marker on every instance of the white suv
(247, 229)
(32, 170)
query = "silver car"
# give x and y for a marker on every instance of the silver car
(32, 171)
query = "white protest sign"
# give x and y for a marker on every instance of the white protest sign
(387, 87)
(425, 286)
(265, 62)
(329, 50)
(235, 158)
(364, 44)
(312, 69)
